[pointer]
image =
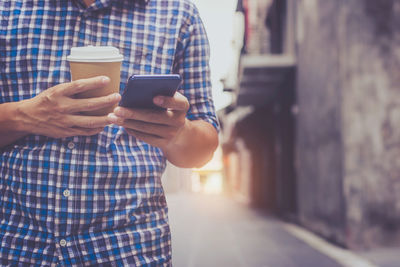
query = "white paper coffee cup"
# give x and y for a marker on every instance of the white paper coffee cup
(90, 61)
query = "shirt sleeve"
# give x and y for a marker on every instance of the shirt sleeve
(192, 63)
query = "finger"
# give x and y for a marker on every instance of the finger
(177, 102)
(158, 130)
(148, 138)
(83, 85)
(113, 119)
(87, 122)
(147, 115)
(77, 105)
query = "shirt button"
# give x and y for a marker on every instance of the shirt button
(71, 145)
(63, 242)
(66, 193)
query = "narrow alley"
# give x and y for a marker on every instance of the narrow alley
(307, 98)
(213, 230)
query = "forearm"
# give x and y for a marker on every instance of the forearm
(9, 127)
(193, 146)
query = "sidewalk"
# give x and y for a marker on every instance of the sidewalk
(209, 230)
(386, 257)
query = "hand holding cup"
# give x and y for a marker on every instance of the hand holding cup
(57, 113)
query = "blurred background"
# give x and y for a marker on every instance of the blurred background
(308, 168)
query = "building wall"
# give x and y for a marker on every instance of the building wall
(258, 33)
(371, 121)
(319, 136)
(348, 137)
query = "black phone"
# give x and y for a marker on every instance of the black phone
(141, 89)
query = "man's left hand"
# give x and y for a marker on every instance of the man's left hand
(155, 127)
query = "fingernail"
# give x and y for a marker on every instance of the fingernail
(119, 111)
(116, 96)
(105, 79)
(113, 118)
(158, 100)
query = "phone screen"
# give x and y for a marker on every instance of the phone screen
(141, 89)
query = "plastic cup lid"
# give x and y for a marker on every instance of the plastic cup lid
(95, 54)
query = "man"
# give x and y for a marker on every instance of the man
(85, 190)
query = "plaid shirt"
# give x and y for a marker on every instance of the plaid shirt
(94, 200)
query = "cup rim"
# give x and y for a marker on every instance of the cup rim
(95, 54)
(88, 60)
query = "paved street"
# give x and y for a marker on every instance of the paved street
(209, 230)
(385, 257)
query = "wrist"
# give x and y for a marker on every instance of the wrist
(179, 140)
(15, 115)
(193, 146)
(11, 129)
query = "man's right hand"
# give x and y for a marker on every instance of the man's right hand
(55, 111)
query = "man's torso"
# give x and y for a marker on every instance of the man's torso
(101, 194)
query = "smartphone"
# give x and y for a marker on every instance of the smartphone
(141, 89)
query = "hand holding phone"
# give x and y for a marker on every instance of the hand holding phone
(157, 123)
(141, 89)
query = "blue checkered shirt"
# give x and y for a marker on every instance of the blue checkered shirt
(98, 200)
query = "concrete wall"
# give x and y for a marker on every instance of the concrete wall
(348, 159)
(319, 138)
(371, 121)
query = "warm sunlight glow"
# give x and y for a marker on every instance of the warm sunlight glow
(209, 179)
